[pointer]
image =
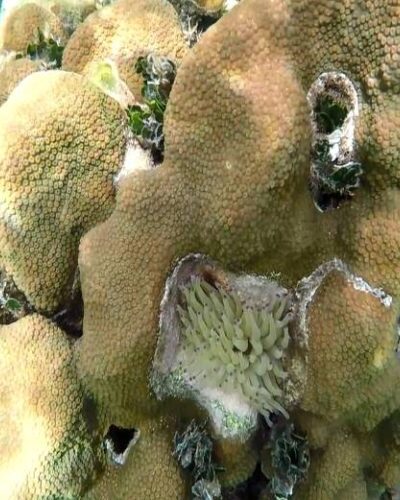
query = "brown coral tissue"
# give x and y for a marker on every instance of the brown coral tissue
(222, 322)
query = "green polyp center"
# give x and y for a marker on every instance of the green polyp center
(229, 345)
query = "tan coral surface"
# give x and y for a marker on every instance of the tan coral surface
(46, 446)
(57, 161)
(235, 185)
(123, 32)
(14, 71)
(20, 27)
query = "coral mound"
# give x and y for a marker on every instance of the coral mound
(281, 164)
(13, 71)
(123, 32)
(47, 448)
(21, 27)
(57, 162)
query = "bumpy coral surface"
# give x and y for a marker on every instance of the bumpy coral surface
(150, 470)
(234, 185)
(47, 447)
(241, 145)
(21, 26)
(57, 161)
(123, 32)
(13, 71)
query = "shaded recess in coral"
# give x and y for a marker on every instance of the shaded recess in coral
(222, 342)
(194, 19)
(70, 317)
(146, 120)
(119, 441)
(193, 449)
(285, 459)
(13, 303)
(335, 171)
(251, 489)
(47, 49)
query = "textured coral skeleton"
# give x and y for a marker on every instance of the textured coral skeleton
(241, 130)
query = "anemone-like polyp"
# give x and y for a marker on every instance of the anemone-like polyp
(223, 339)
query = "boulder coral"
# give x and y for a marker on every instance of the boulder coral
(57, 162)
(13, 71)
(277, 197)
(48, 446)
(122, 32)
(150, 471)
(68, 13)
(21, 27)
(234, 185)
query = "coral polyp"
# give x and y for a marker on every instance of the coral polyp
(232, 345)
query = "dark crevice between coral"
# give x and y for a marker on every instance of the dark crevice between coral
(335, 172)
(251, 489)
(194, 19)
(119, 441)
(70, 317)
(193, 449)
(146, 120)
(89, 412)
(284, 463)
(13, 303)
(47, 50)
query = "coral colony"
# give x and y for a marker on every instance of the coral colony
(199, 249)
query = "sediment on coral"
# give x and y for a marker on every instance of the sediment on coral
(230, 335)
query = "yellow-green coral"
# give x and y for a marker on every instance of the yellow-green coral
(57, 161)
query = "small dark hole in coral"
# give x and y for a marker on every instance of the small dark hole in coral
(328, 201)
(120, 438)
(206, 22)
(157, 155)
(70, 317)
